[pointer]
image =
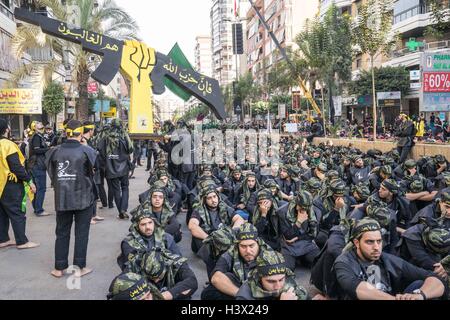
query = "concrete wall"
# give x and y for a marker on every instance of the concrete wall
(417, 151)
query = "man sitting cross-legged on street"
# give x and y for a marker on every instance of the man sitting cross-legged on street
(234, 266)
(364, 272)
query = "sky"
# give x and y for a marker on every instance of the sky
(164, 22)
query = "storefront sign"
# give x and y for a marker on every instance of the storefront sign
(20, 101)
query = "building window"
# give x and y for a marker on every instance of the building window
(358, 63)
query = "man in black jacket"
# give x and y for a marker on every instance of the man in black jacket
(38, 149)
(364, 272)
(71, 169)
(406, 133)
(115, 150)
(14, 180)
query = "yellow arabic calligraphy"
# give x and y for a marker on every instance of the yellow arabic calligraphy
(90, 37)
(108, 47)
(171, 68)
(205, 87)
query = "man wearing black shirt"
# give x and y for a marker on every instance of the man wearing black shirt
(364, 272)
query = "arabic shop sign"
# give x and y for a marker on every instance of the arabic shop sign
(20, 101)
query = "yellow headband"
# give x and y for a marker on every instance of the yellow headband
(90, 127)
(71, 132)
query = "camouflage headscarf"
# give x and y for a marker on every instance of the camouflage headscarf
(362, 190)
(304, 200)
(437, 239)
(128, 286)
(245, 190)
(313, 186)
(272, 263)
(363, 226)
(380, 213)
(392, 186)
(161, 263)
(220, 240)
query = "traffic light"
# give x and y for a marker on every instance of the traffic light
(238, 39)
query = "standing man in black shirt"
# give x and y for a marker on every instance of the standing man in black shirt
(38, 149)
(71, 168)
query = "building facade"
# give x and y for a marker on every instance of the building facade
(203, 55)
(286, 18)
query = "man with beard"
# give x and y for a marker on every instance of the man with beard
(364, 272)
(267, 220)
(378, 175)
(436, 166)
(36, 163)
(210, 215)
(246, 195)
(71, 169)
(115, 150)
(232, 184)
(299, 228)
(145, 235)
(287, 181)
(158, 207)
(233, 267)
(318, 172)
(358, 172)
(271, 280)
(15, 183)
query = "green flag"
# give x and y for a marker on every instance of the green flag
(179, 58)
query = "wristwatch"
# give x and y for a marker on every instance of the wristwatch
(419, 291)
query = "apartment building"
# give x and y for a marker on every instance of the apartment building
(203, 55)
(287, 19)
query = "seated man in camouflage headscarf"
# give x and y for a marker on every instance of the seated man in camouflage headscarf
(318, 172)
(391, 194)
(278, 196)
(331, 209)
(360, 193)
(288, 181)
(209, 216)
(267, 220)
(131, 287)
(426, 244)
(234, 266)
(439, 209)
(359, 172)
(378, 175)
(299, 229)
(245, 195)
(169, 272)
(271, 280)
(313, 186)
(436, 166)
(233, 182)
(158, 206)
(365, 272)
(144, 236)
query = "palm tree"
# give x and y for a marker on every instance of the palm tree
(105, 18)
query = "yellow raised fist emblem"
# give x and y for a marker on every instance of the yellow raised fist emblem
(138, 62)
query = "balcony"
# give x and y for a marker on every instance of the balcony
(405, 57)
(417, 17)
(7, 22)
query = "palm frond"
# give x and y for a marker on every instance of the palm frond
(57, 8)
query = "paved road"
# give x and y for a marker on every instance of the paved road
(26, 274)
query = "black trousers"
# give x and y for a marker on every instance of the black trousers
(404, 152)
(120, 190)
(101, 190)
(306, 260)
(64, 221)
(11, 210)
(110, 193)
(151, 153)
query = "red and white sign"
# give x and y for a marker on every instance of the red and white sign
(92, 87)
(436, 82)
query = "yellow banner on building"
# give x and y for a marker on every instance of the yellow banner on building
(20, 101)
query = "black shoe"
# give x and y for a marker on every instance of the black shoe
(124, 216)
(111, 207)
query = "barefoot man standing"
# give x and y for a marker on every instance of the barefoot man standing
(71, 167)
